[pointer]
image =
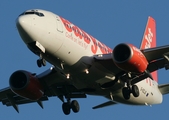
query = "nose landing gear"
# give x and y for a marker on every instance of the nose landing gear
(41, 61)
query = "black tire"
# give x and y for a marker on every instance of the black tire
(135, 91)
(75, 106)
(126, 93)
(39, 63)
(43, 62)
(66, 108)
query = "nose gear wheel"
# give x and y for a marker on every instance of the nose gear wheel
(41, 62)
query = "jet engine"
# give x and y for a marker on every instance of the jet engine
(129, 58)
(26, 85)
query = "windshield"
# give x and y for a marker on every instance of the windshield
(32, 12)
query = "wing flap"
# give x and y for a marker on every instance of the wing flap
(20, 101)
(156, 65)
(7, 93)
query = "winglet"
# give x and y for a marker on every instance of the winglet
(149, 40)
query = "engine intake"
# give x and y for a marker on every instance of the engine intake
(26, 85)
(122, 53)
(18, 80)
(129, 58)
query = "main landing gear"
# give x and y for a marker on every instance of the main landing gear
(126, 91)
(67, 106)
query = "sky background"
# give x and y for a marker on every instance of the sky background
(112, 22)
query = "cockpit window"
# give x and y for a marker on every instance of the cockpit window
(32, 12)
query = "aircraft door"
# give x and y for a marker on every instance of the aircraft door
(59, 25)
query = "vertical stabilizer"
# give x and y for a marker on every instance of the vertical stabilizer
(149, 39)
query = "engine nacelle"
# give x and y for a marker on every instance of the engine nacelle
(26, 85)
(129, 58)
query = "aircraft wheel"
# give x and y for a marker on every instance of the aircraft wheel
(39, 63)
(126, 93)
(43, 61)
(75, 106)
(135, 91)
(66, 108)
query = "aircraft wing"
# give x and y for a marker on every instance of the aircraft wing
(156, 52)
(157, 58)
(8, 98)
(164, 89)
(52, 85)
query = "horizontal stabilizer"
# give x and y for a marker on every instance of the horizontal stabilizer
(164, 89)
(104, 104)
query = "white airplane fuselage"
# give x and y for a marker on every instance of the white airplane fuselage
(67, 47)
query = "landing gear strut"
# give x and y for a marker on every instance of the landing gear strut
(126, 91)
(41, 61)
(67, 106)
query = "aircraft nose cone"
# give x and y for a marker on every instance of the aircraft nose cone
(23, 24)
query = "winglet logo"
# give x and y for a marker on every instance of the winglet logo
(148, 39)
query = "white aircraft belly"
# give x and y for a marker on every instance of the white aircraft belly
(149, 94)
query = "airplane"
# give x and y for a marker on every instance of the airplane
(82, 65)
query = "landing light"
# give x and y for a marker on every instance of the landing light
(68, 76)
(87, 71)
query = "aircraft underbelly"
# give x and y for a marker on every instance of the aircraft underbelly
(149, 95)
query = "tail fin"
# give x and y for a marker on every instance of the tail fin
(149, 39)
